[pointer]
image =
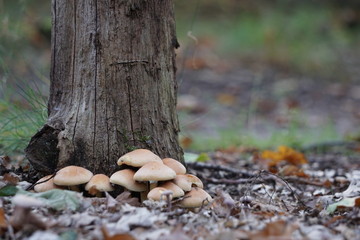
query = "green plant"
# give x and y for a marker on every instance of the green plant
(295, 135)
(20, 119)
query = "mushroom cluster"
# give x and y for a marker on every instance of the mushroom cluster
(143, 172)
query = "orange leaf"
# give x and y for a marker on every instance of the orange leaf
(3, 223)
(284, 153)
(121, 236)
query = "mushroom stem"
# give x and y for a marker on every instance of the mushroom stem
(152, 185)
(143, 196)
(75, 188)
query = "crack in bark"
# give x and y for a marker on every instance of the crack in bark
(73, 75)
(96, 70)
(53, 54)
(128, 79)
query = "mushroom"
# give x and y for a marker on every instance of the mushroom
(153, 172)
(197, 197)
(72, 176)
(157, 194)
(45, 184)
(186, 181)
(177, 191)
(125, 178)
(98, 184)
(138, 158)
(174, 165)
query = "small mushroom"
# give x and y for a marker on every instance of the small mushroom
(98, 184)
(72, 176)
(45, 184)
(197, 197)
(158, 193)
(125, 178)
(138, 158)
(174, 165)
(186, 181)
(177, 191)
(153, 172)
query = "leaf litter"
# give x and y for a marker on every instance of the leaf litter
(309, 196)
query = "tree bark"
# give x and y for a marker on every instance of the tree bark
(113, 84)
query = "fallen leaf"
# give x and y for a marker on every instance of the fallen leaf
(8, 190)
(121, 236)
(344, 203)
(185, 141)
(11, 178)
(3, 222)
(57, 199)
(5, 162)
(284, 153)
(226, 99)
(292, 170)
(275, 230)
(125, 197)
(223, 204)
(203, 157)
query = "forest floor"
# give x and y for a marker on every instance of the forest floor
(253, 198)
(281, 195)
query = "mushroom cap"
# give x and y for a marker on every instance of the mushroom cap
(195, 198)
(177, 191)
(138, 158)
(157, 193)
(99, 183)
(46, 186)
(125, 178)
(174, 165)
(186, 181)
(154, 171)
(72, 175)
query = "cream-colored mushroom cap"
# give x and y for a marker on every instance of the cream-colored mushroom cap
(138, 158)
(186, 181)
(174, 165)
(157, 193)
(177, 191)
(125, 178)
(48, 184)
(72, 175)
(99, 183)
(195, 198)
(154, 171)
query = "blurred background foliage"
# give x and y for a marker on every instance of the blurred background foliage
(313, 37)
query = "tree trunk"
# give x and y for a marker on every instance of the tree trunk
(113, 84)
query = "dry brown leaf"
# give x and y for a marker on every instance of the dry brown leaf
(121, 236)
(223, 204)
(185, 141)
(11, 178)
(23, 218)
(3, 222)
(292, 170)
(125, 197)
(226, 99)
(284, 153)
(275, 230)
(5, 162)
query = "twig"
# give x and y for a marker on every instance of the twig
(276, 177)
(304, 181)
(34, 184)
(198, 165)
(129, 62)
(325, 145)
